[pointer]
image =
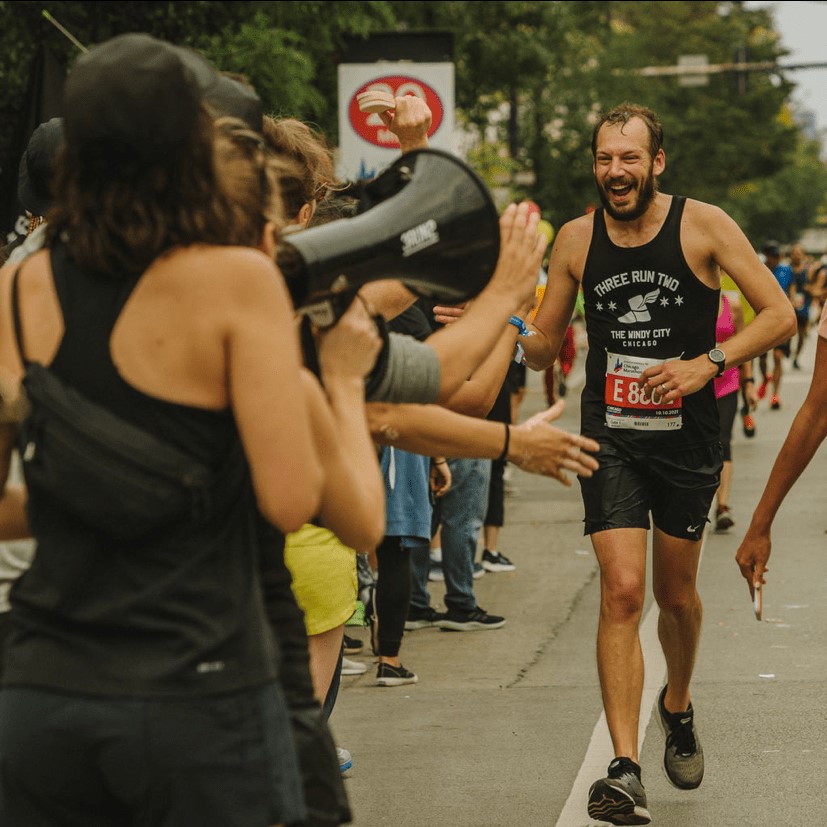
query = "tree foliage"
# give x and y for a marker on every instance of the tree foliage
(531, 79)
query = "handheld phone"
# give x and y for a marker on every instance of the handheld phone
(758, 601)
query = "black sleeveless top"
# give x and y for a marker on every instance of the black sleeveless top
(177, 615)
(644, 305)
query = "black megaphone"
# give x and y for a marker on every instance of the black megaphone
(428, 221)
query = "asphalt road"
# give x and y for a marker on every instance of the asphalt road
(505, 726)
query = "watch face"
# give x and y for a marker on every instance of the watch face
(717, 355)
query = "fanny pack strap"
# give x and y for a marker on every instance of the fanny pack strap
(15, 308)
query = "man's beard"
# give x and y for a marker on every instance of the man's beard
(645, 194)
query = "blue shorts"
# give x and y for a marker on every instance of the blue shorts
(675, 487)
(83, 761)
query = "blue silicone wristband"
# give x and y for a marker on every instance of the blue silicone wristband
(519, 324)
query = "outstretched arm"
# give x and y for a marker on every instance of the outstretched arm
(463, 346)
(808, 431)
(535, 445)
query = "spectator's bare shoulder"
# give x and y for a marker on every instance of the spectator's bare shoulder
(232, 275)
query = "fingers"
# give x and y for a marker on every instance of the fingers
(549, 414)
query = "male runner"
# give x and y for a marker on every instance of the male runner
(649, 265)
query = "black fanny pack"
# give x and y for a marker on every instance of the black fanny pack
(106, 472)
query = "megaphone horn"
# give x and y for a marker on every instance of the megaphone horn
(428, 221)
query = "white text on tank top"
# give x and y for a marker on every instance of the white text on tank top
(629, 405)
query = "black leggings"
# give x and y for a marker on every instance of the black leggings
(393, 594)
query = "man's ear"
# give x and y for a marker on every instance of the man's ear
(268, 239)
(660, 162)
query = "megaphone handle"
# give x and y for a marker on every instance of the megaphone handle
(308, 345)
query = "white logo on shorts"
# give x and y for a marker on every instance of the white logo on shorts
(691, 529)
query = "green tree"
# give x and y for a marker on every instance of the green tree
(531, 79)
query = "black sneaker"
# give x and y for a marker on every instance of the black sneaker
(619, 798)
(456, 621)
(353, 645)
(683, 759)
(387, 675)
(494, 561)
(422, 618)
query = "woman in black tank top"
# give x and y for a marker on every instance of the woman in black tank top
(143, 674)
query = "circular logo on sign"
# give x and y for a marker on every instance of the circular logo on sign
(371, 127)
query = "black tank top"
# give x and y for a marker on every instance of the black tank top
(182, 614)
(644, 305)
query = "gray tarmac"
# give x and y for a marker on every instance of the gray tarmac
(504, 726)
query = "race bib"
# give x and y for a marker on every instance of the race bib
(629, 405)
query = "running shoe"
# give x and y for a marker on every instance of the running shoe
(476, 619)
(723, 518)
(435, 573)
(388, 675)
(749, 425)
(353, 667)
(353, 646)
(683, 758)
(775, 402)
(762, 388)
(479, 570)
(495, 561)
(619, 798)
(422, 618)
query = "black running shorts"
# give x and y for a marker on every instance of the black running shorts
(675, 487)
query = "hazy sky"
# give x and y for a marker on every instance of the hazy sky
(803, 29)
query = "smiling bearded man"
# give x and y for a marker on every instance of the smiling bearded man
(649, 265)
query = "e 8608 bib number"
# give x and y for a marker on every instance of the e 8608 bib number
(630, 405)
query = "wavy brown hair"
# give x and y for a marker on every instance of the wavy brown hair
(622, 114)
(118, 214)
(315, 172)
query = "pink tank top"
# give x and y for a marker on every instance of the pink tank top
(728, 382)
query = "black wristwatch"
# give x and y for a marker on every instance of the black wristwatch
(718, 358)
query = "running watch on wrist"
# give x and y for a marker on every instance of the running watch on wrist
(718, 358)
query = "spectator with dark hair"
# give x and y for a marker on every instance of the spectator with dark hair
(176, 625)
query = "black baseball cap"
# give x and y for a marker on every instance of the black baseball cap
(229, 96)
(771, 248)
(137, 93)
(37, 165)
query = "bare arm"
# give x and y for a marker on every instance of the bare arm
(266, 395)
(557, 306)
(462, 347)
(476, 397)
(14, 524)
(808, 431)
(534, 446)
(715, 242)
(353, 497)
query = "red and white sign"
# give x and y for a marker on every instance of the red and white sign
(369, 125)
(366, 145)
